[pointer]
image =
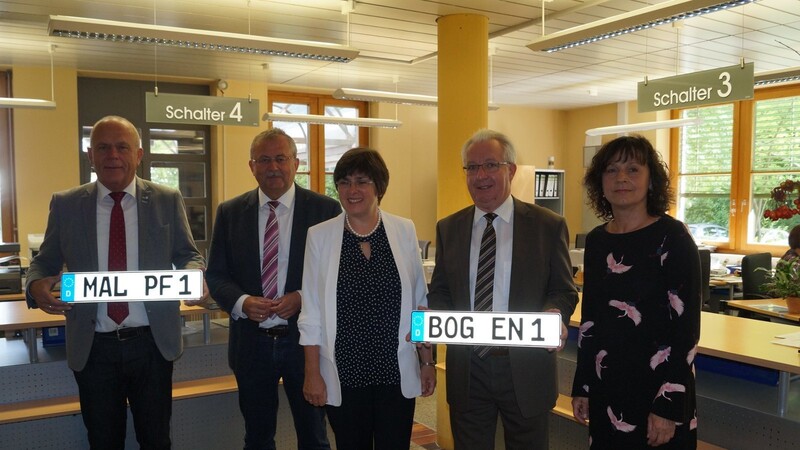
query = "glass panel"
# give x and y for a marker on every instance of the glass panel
(197, 221)
(759, 229)
(703, 206)
(330, 188)
(189, 178)
(303, 180)
(775, 159)
(708, 147)
(86, 131)
(298, 132)
(339, 138)
(177, 142)
(705, 161)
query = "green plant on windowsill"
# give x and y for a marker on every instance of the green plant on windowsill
(784, 282)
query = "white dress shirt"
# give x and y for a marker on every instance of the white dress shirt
(284, 213)
(137, 315)
(504, 230)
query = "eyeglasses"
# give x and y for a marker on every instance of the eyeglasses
(488, 167)
(359, 183)
(266, 160)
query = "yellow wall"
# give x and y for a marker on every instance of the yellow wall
(45, 145)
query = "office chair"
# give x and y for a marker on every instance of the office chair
(752, 279)
(705, 287)
(580, 240)
(423, 246)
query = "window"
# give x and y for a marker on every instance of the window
(319, 147)
(728, 165)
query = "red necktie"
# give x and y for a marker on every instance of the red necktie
(269, 263)
(117, 253)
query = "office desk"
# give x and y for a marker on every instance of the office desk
(747, 341)
(729, 281)
(15, 315)
(772, 307)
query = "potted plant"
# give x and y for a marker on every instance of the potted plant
(784, 282)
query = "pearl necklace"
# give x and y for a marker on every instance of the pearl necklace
(363, 236)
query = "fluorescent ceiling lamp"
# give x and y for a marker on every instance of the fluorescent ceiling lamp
(777, 76)
(391, 97)
(637, 20)
(8, 102)
(113, 31)
(332, 120)
(631, 127)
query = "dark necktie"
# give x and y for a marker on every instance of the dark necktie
(484, 278)
(269, 264)
(117, 253)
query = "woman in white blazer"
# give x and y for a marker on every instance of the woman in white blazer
(362, 278)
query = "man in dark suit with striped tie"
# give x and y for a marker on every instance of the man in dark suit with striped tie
(255, 269)
(500, 254)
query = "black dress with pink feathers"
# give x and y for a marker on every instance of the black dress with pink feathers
(640, 324)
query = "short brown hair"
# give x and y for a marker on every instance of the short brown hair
(367, 161)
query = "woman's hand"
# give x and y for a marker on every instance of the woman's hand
(427, 376)
(580, 409)
(314, 389)
(659, 430)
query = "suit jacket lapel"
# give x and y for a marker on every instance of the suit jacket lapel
(249, 218)
(88, 211)
(462, 240)
(523, 265)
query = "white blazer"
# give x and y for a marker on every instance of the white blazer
(317, 321)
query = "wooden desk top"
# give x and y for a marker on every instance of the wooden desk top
(773, 307)
(15, 315)
(727, 280)
(739, 339)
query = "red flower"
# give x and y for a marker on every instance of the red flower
(784, 198)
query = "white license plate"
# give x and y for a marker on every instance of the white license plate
(540, 329)
(153, 285)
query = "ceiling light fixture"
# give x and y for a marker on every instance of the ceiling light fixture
(777, 76)
(332, 120)
(113, 31)
(630, 22)
(34, 103)
(366, 95)
(642, 126)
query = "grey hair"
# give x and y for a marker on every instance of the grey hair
(272, 134)
(483, 135)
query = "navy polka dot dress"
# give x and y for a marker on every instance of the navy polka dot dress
(368, 312)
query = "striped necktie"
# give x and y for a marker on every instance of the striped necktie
(269, 263)
(484, 279)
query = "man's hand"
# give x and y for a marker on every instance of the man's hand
(564, 334)
(41, 291)
(286, 306)
(257, 308)
(202, 299)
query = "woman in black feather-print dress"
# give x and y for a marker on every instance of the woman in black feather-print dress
(640, 317)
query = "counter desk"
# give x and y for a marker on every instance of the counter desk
(15, 315)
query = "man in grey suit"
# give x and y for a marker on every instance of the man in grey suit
(128, 358)
(531, 272)
(264, 340)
